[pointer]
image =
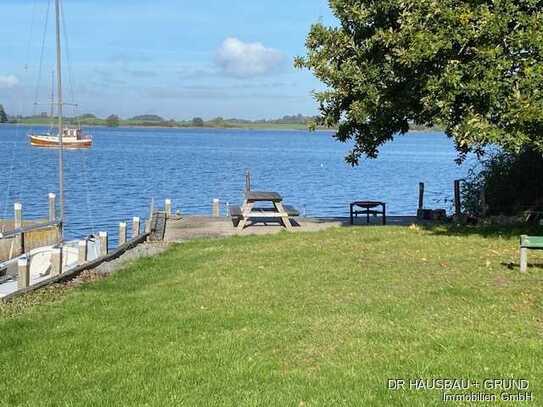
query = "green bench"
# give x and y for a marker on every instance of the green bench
(528, 243)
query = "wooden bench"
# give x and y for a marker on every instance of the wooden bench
(528, 243)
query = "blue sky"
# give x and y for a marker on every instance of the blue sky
(179, 59)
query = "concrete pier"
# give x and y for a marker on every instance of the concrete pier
(193, 227)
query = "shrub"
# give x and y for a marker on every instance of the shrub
(512, 183)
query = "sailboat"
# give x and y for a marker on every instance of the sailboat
(66, 137)
(72, 138)
(40, 258)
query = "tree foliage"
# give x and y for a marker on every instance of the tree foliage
(113, 120)
(87, 116)
(3, 115)
(197, 122)
(473, 68)
(512, 183)
(148, 118)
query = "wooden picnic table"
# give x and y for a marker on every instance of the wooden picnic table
(277, 211)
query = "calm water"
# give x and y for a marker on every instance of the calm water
(117, 178)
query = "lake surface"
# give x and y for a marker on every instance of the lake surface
(126, 167)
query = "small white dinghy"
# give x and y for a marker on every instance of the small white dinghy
(40, 263)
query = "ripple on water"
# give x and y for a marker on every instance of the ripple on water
(125, 168)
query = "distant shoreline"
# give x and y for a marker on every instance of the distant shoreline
(270, 127)
(247, 126)
(135, 126)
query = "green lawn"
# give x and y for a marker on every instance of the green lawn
(313, 319)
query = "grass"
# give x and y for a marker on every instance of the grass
(312, 319)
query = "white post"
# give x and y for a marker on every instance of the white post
(147, 225)
(523, 259)
(135, 227)
(82, 251)
(23, 278)
(168, 208)
(18, 220)
(52, 207)
(18, 223)
(56, 261)
(122, 233)
(103, 243)
(216, 208)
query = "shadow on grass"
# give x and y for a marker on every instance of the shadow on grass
(514, 266)
(504, 231)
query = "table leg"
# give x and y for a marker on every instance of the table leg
(351, 214)
(283, 215)
(367, 216)
(384, 214)
(245, 211)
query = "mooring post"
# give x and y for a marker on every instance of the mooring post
(52, 207)
(102, 236)
(247, 181)
(135, 227)
(18, 223)
(56, 261)
(18, 220)
(147, 225)
(152, 208)
(457, 202)
(23, 276)
(216, 208)
(421, 195)
(122, 233)
(168, 208)
(82, 252)
(420, 209)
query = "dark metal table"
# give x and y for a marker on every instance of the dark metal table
(368, 208)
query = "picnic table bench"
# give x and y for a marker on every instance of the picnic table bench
(247, 211)
(368, 208)
(528, 243)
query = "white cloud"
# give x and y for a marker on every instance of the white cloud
(8, 81)
(244, 59)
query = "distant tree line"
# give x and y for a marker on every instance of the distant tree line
(115, 120)
(153, 120)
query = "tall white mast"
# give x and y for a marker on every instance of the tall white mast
(52, 114)
(60, 123)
